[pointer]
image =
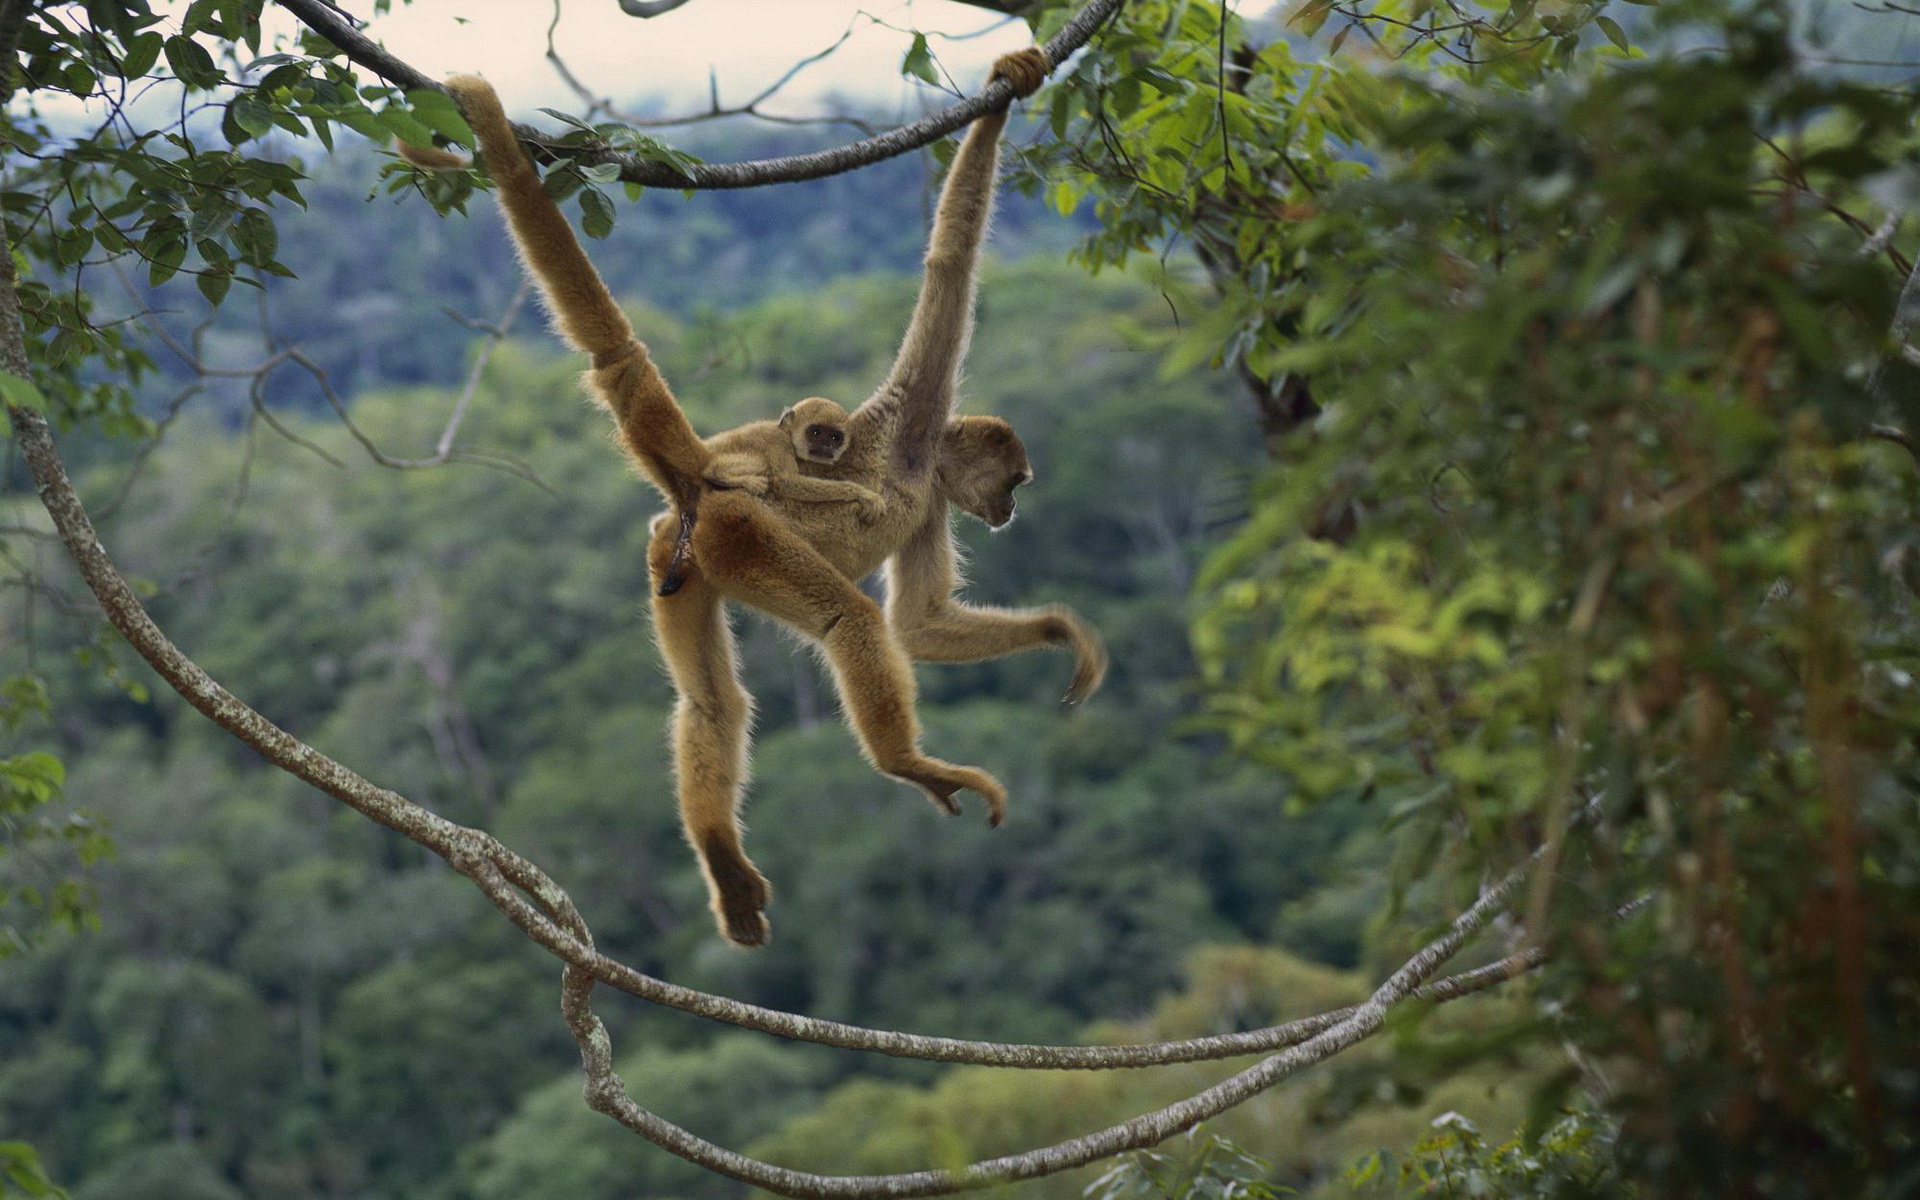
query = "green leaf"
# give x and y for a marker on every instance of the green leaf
(21, 393)
(165, 260)
(279, 79)
(255, 236)
(1061, 111)
(560, 183)
(1310, 10)
(401, 124)
(251, 115)
(596, 213)
(437, 111)
(200, 15)
(191, 63)
(1614, 33)
(22, 1166)
(214, 285)
(568, 118)
(362, 121)
(231, 129)
(919, 60)
(142, 52)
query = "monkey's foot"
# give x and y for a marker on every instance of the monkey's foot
(1089, 669)
(1089, 653)
(941, 780)
(740, 894)
(1025, 69)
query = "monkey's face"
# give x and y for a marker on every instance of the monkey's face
(982, 461)
(818, 430)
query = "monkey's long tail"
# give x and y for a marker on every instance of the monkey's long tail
(584, 312)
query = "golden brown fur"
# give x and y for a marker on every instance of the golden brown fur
(765, 459)
(797, 559)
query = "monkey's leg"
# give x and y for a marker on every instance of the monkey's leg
(709, 744)
(753, 557)
(956, 632)
(934, 627)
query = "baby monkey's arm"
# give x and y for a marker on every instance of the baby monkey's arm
(757, 476)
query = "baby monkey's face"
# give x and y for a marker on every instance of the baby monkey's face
(818, 429)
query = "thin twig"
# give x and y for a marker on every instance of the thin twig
(715, 110)
(496, 333)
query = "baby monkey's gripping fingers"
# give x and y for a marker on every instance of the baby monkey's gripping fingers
(1025, 69)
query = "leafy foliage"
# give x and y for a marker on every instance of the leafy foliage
(1581, 526)
(1570, 1158)
(36, 895)
(1198, 1167)
(22, 1175)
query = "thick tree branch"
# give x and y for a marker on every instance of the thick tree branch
(327, 21)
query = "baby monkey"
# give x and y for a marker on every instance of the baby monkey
(763, 459)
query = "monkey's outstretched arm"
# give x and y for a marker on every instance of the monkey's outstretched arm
(935, 627)
(623, 377)
(922, 381)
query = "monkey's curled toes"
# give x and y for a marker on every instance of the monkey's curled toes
(1025, 69)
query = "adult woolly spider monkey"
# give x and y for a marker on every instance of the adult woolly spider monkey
(797, 561)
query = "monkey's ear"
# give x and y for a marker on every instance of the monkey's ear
(786, 418)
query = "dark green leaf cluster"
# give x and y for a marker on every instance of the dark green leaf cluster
(196, 195)
(1454, 1160)
(1200, 1166)
(1623, 559)
(43, 852)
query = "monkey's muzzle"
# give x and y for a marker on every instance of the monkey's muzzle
(825, 442)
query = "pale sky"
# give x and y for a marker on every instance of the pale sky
(748, 43)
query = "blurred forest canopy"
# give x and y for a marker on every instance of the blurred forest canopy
(1555, 485)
